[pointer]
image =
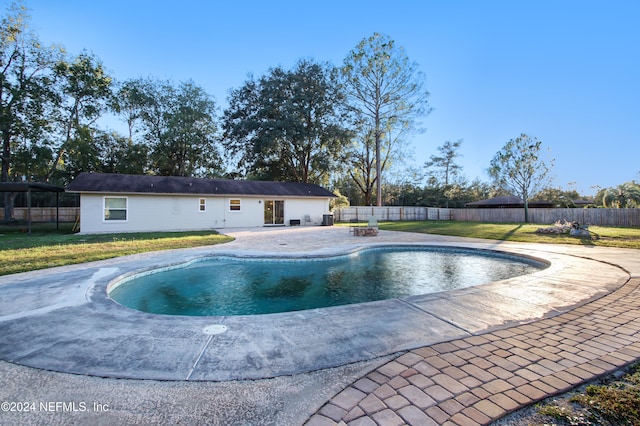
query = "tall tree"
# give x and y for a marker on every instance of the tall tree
(442, 169)
(128, 102)
(30, 160)
(519, 168)
(288, 124)
(25, 79)
(386, 91)
(187, 146)
(84, 90)
(177, 123)
(362, 157)
(119, 154)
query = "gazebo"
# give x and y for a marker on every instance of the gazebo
(30, 187)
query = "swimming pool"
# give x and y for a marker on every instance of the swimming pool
(222, 286)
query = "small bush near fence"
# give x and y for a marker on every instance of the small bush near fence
(593, 217)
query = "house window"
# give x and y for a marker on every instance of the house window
(234, 205)
(203, 204)
(115, 208)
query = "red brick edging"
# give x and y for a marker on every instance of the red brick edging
(479, 379)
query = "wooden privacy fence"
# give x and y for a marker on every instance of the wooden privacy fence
(598, 217)
(45, 214)
(391, 214)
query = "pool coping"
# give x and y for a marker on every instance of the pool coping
(62, 320)
(304, 257)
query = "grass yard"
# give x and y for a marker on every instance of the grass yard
(611, 401)
(600, 236)
(46, 247)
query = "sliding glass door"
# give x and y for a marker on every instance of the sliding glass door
(274, 212)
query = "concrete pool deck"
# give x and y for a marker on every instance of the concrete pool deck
(425, 358)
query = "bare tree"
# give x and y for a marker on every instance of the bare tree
(386, 90)
(518, 168)
(445, 166)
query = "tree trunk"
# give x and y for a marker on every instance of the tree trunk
(9, 198)
(63, 148)
(378, 166)
(4, 175)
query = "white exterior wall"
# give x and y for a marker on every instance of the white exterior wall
(298, 208)
(149, 213)
(251, 213)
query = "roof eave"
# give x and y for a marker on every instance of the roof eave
(197, 194)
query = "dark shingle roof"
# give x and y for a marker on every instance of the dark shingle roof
(146, 184)
(507, 201)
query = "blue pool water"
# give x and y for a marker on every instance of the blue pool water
(234, 286)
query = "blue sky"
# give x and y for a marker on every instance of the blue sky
(566, 72)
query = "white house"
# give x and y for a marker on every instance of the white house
(140, 203)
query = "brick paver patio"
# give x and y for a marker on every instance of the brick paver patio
(479, 379)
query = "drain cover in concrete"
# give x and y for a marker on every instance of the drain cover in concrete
(215, 329)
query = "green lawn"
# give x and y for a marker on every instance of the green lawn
(601, 236)
(46, 247)
(615, 400)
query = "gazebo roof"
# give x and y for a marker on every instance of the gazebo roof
(507, 201)
(29, 186)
